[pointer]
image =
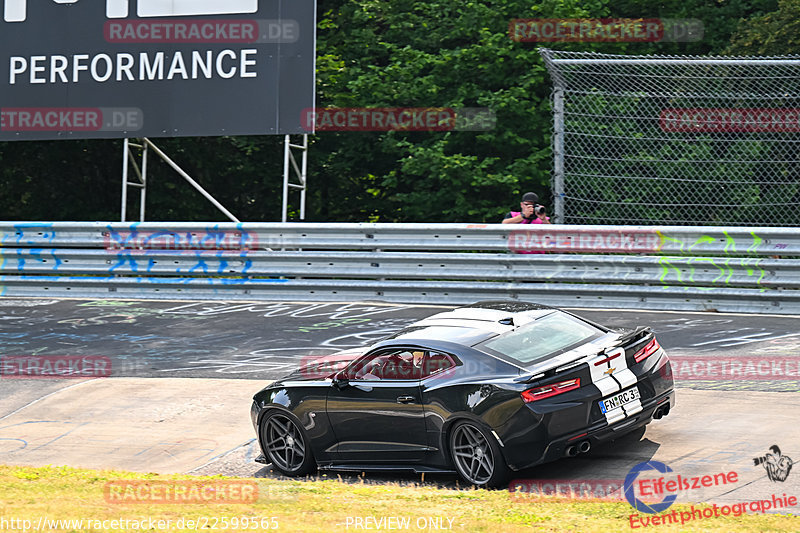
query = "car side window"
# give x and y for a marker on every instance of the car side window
(437, 363)
(400, 365)
(389, 365)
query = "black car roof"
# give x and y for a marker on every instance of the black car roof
(465, 336)
(472, 324)
(490, 317)
(509, 306)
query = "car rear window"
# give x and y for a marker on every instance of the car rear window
(545, 337)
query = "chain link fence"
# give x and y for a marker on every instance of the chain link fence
(675, 140)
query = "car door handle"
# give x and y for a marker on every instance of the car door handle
(406, 399)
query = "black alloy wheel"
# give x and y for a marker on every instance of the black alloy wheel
(285, 444)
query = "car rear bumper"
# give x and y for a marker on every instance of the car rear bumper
(558, 448)
(603, 433)
(546, 431)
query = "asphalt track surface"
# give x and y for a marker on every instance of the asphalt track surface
(182, 375)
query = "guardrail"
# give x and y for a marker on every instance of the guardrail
(752, 270)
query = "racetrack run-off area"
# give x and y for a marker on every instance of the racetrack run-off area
(175, 397)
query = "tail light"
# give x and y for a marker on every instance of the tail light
(651, 348)
(540, 393)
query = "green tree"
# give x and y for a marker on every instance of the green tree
(433, 54)
(392, 53)
(774, 33)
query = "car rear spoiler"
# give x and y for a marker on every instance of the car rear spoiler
(633, 335)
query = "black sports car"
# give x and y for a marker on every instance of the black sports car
(484, 390)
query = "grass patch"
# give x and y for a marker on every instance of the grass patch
(63, 493)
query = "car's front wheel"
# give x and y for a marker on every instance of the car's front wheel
(476, 456)
(286, 445)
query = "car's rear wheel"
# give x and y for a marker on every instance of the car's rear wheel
(286, 445)
(477, 456)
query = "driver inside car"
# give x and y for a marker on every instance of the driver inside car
(404, 365)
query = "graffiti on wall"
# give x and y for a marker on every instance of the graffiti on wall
(219, 255)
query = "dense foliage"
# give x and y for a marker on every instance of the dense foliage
(398, 53)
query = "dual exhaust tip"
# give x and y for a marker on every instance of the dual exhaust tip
(582, 447)
(661, 412)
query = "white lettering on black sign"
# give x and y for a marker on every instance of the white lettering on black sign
(122, 66)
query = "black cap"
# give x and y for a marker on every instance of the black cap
(531, 197)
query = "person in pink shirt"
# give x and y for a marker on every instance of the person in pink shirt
(530, 211)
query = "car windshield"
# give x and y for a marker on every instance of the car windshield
(546, 337)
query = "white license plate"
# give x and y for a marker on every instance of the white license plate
(619, 399)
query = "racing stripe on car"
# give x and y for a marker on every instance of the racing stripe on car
(610, 373)
(600, 374)
(603, 381)
(615, 415)
(633, 407)
(608, 386)
(626, 379)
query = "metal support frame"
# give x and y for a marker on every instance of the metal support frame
(300, 172)
(289, 164)
(128, 157)
(558, 154)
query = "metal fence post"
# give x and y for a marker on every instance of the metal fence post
(558, 154)
(286, 154)
(125, 156)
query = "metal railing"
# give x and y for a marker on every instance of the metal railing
(752, 270)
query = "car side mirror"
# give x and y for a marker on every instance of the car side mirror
(340, 381)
